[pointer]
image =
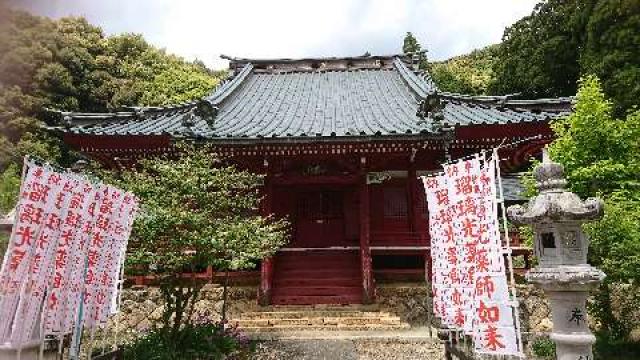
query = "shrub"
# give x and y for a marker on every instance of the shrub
(544, 348)
(204, 339)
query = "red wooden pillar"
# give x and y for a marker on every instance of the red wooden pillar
(414, 201)
(415, 214)
(266, 278)
(267, 266)
(368, 284)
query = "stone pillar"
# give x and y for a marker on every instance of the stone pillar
(556, 216)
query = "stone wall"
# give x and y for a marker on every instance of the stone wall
(142, 307)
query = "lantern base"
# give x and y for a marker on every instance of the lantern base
(566, 278)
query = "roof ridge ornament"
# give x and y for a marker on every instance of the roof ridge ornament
(206, 110)
(432, 107)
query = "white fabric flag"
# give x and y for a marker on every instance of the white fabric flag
(496, 331)
(469, 283)
(37, 281)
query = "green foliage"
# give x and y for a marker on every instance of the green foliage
(69, 64)
(612, 50)
(412, 46)
(601, 154)
(545, 53)
(544, 348)
(606, 348)
(467, 74)
(197, 212)
(9, 188)
(539, 53)
(199, 341)
(601, 157)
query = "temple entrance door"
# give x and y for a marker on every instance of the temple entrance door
(319, 219)
(309, 270)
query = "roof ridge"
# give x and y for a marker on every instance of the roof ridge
(501, 101)
(417, 84)
(311, 58)
(219, 93)
(227, 87)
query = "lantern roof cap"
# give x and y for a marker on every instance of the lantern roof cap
(554, 202)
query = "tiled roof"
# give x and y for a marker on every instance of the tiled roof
(512, 187)
(335, 98)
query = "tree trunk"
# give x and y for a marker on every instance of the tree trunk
(224, 296)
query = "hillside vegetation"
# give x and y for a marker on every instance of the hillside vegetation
(69, 64)
(545, 53)
(468, 74)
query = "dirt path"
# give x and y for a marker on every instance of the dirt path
(334, 349)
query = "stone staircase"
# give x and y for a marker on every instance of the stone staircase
(292, 319)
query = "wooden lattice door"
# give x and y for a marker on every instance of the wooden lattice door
(319, 219)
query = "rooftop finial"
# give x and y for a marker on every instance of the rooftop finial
(545, 155)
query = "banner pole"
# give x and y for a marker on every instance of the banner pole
(515, 305)
(74, 351)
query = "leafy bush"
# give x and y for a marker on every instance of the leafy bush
(204, 339)
(544, 348)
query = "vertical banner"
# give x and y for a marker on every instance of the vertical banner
(67, 255)
(35, 202)
(463, 194)
(38, 276)
(496, 331)
(469, 284)
(441, 234)
(68, 243)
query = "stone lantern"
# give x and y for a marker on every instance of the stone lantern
(556, 216)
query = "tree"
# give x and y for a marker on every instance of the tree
(466, 74)
(539, 53)
(544, 54)
(612, 50)
(601, 156)
(411, 46)
(196, 212)
(69, 64)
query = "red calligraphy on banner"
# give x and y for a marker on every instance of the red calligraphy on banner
(469, 282)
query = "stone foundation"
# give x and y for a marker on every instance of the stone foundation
(142, 306)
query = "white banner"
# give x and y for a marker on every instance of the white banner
(68, 243)
(469, 283)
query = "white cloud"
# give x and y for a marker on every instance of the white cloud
(205, 29)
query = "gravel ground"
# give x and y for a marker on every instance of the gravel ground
(348, 350)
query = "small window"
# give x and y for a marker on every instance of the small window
(548, 240)
(395, 202)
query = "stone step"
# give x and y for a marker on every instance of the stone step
(320, 307)
(312, 314)
(294, 328)
(340, 321)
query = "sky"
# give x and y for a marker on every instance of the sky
(204, 29)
